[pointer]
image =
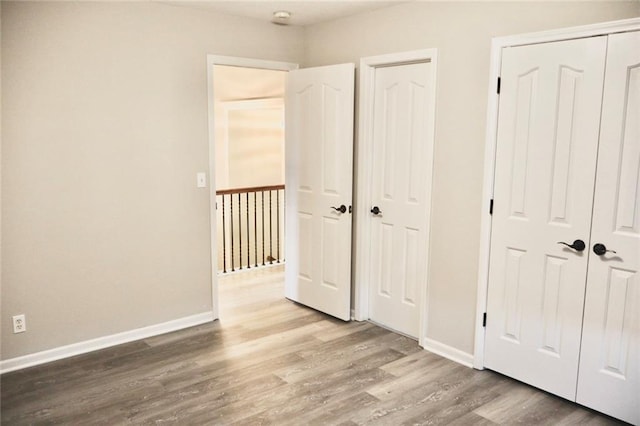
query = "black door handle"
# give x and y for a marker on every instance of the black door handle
(601, 249)
(375, 210)
(578, 245)
(341, 209)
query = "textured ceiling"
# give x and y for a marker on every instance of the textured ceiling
(306, 12)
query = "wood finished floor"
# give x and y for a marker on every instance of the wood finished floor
(270, 361)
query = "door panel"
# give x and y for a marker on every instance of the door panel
(545, 160)
(319, 163)
(609, 379)
(399, 188)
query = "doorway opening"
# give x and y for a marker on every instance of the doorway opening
(318, 161)
(246, 163)
(249, 133)
(395, 169)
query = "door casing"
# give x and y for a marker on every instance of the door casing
(213, 60)
(497, 44)
(364, 161)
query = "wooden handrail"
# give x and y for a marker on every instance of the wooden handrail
(238, 205)
(250, 189)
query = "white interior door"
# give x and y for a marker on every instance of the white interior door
(399, 186)
(319, 176)
(545, 166)
(609, 378)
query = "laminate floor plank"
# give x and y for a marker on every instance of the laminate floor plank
(508, 405)
(472, 419)
(414, 362)
(23, 382)
(339, 411)
(323, 389)
(425, 396)
(459, 402)
(271, 361)
(301, 337)
(213, 331)
(237, 372)
(349, 328)
(205, 398)
(336, 358)
(416, 379)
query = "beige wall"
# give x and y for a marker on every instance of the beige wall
(239, 92)
(105, 126)
(256, 147)
(462, 33)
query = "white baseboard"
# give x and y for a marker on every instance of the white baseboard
(73, 349)
(448, 352)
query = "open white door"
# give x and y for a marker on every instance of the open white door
(319, 176)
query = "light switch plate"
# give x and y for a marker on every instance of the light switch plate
(201, 180)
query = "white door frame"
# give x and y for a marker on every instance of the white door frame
(213, 60)
(364, 162)
(497, 44)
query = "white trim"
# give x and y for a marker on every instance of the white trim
(258, 103)
(213, 235)
(487, 191)
(234, 61)
(79, 348)
(213, 60)
(593, 30)
(448, 352)
(497, 44)
(364, 158)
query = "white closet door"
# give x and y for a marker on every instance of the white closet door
(545, 167)
(319, 176)
(399, 185)
(609, 379)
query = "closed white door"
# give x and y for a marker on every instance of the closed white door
(609, 378)
(399, 185)
(319, 164)
(544, 180)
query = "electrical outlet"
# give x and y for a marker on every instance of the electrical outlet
(19, 323)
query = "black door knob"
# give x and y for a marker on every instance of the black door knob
(341, 209)
(601, 249)
(375, 210)
(578, 245)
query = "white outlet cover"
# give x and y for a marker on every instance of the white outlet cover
(19, 323)
(201, 180)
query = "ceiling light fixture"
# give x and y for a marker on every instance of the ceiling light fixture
(281, 17)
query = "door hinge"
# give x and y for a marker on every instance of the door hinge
(498, 89)
(484, 319)
(491, 207)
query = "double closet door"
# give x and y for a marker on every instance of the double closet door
(563, 308)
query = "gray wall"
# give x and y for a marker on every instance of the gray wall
(104, 128)
(462, 33)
